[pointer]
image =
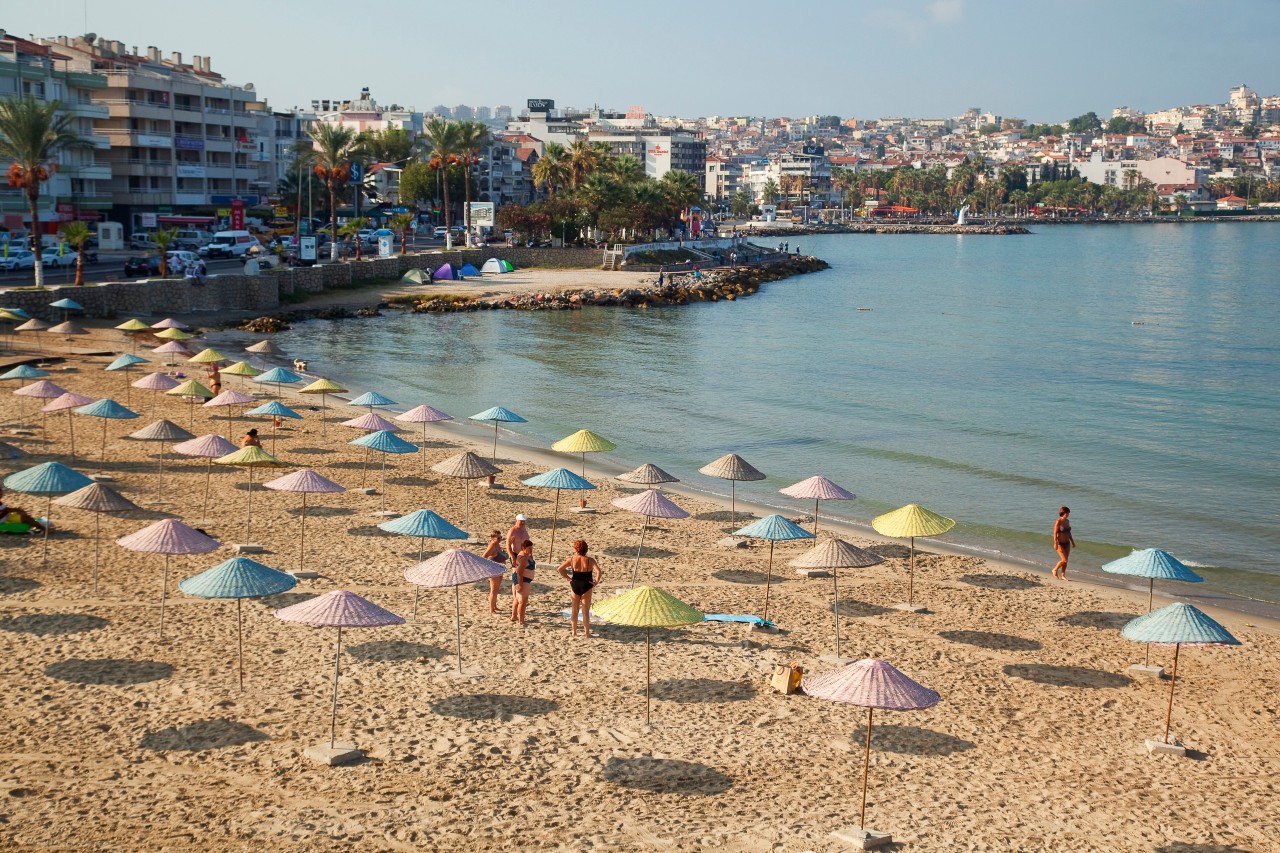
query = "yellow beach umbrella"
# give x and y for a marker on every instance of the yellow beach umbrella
(646, 607)
(192, 389)
(250, 457)
(908, 522)
(207, 356)
(174, 335)
(243, 369)
(322, 386)
(584, 441)
(133, 325)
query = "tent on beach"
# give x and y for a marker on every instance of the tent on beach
(496, 266)
(469, 269)
(444, 272)
(416, 276)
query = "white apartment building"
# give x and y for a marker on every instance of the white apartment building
(1123, 173)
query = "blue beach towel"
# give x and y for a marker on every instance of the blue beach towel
(730, 617)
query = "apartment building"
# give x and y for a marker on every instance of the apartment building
(661, 150)
(79, 187)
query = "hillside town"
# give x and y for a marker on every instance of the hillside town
(169, 140)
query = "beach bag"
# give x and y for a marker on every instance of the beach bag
(786, 678)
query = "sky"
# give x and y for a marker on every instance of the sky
(1040, 61)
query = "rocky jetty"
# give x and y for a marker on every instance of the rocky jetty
(888, 227)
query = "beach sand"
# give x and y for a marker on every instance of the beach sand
(114, 740)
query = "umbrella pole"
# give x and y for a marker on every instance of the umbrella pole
(768, 581)
(164, 593)
(866, 769)
(646, 675)
(1173, 680)
(365, 469)
(337, 670)
(733, 502)
(555, 519)
(71, 425)
(248, 516)
(302, 537)
(911, 572)
(494, 460)
(323, 412)
(1151, 594)
(636, 567)
(48, 511)
(417, 591)
(468, 506)
(102, 461)
(457, 622)
(161, 473)
(383, 485)
(208, 474)
(835, 606)
(815, 521)
(424, 448)
(240, 640)
(584, 464)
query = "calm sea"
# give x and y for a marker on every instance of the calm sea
(1130, 372)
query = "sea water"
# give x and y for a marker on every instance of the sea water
(1131, 372)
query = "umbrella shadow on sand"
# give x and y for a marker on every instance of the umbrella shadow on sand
(52, 624)
(1102, 619)
(724, 515)
(412, 480)
(108, 671)
(666, 776)
(996, 642)
(691, 690)
(521, 497)
(320, 511)
(395, 650)
(913, 740)
(13, 585)
(999, 581)
(747, 576)
(202, 735)
(891, 551)
(1183, 847)
(492, 706)
(626, 552)
(1066, 676)
(364, 530)
(282, 600)
(854, 608)
(310, 451)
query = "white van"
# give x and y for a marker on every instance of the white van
(230, 244)
(191, 240)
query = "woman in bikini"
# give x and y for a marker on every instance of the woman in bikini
(521, 579)
(494, 552)
(1063, 542)
(582, 573)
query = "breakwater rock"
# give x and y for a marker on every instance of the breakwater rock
(888, 227)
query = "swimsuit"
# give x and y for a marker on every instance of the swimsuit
(1064, 533)
(528, 574)
(580, 582)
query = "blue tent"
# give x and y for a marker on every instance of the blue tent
(469, 269)
(444, 272)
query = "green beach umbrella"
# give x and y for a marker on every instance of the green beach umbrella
(322, 387)
(249, 458)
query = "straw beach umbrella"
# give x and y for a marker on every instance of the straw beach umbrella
(168, 537)
(192, 390)
(584, 441)
(558, 479)
(646, 607)
(304, 482)
(156, 383)
(497, 415)
(97, 499)
(873, 684)
(816, 489)
(161, 431)
(322, 387)
(65, 403)
(775, 528)
(733, 468)
(243, 369)
(466, 466)
(831, 555)
(264, 348)
(124, 364)
(238, 578)
(227, 399)
(338, 609)
(647, 475)
(249, 458)
(385, 442)
(42, 389)
(372, 400)
(424, 415)
(650, 504)
(210, 447)
(275, 410)
(35, 324)
(1152, 563)
(1179, 624)
(132, 329)
(279, 377)
(107, 410)
(908, 522)
(48, 479)
(454, 568)
(424, 524)
(69, 329)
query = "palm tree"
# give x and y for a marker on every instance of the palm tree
(353, 228)
(770, 192)
(627, 170)
(335, 147)
(552, 168)
(473, 137)
(440, 138)
(31, 135)
(584, 158)
(164, 238)
(77, 234)
(402, 222)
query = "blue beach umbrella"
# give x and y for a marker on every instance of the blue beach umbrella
(19, 311)
(275, 409)
(66, 305)
(1179, 624)
(49, 479)
(280, 377)
(424, 524)
(775, 528)
(107, 410)
(372, 400)
(124, 364)
(238, 578)
(24, 371)
(384, 442)
(558, 478)
(498, 415)
(1152, 563)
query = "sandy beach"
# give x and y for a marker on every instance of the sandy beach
(115, 740)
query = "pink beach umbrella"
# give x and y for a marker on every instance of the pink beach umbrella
(423, 415)
(228, 399)
(454, 568)
(173, 348)
(650, 504)
(65, 403)
(156, 383)
(818, 488)
(870, 683)
(168, 536)
(42, 390)
(338, 609)
(170, 323)
(371, 423)
(304, 482)
(210, 447)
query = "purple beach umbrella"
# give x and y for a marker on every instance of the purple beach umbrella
(816, 489)
(168, 536)
(454, 567)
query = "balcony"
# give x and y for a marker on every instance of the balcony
(91, 172)
(86, 109)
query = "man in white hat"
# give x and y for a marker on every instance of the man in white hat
(517, 536)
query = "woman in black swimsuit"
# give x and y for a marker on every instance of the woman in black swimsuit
(1063, 541)
(521, 578)
(583, 574)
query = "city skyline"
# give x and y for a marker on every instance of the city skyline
(916, 58)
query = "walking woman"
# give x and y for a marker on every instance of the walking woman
(586, 574)
(1062, 541)
(521, 579)
(494, 552)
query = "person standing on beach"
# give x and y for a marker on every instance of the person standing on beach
(517, 536)
(494, 552)
(586, 574)
(1063, 541)
(251, 439)
(215, 379)
(521, 580)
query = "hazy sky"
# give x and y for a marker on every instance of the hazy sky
(853, 58)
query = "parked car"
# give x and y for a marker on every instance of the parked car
(439, 232)
(191, 239)
(142, 240)
(142, 265)
(178, 261)
(19, 259)
(52, 258)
